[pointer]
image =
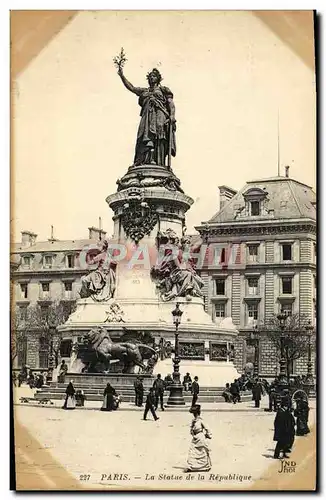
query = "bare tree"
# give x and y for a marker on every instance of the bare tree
(41, 319)
(294, 336)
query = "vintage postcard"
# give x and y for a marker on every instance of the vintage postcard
(163, 250)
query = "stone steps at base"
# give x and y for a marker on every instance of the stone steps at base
(130, 398)
(100, 390)
(120, 387)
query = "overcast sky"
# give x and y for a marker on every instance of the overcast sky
(75, 124)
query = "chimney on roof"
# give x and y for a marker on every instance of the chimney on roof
(287, 171)
(96, 233)
(52, 238)
(28, 238)
(226, 194)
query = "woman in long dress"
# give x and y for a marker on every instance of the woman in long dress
(302, 414)
(109, 398)
(198, 457)
(70, 401)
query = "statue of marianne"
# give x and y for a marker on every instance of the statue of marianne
(156, 131)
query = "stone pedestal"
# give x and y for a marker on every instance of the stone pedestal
(150, 200)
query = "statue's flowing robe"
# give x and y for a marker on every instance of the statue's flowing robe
(154, 128)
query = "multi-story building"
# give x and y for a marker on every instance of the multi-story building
(43, 274)
(266, 245)
(269, 227)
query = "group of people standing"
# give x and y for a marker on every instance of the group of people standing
(285, 423)
(155, 395)
(34, 380)
(75, 398)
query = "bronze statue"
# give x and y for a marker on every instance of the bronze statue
(156, 132)
(100, 349)
(99, 283)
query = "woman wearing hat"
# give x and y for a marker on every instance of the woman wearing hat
(198, 456)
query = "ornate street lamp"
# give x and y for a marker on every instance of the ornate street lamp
(176, 389)
(310, 378)
(282, 378)
(254, 337)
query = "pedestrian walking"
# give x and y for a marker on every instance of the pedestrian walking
(302, 414)
(108, 398)
(284, 426)
(159, 392)
(257, 391)
(70, 401)
(139, 392)
(199, 453)
(150, 404)
(194, 391)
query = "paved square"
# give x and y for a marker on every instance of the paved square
(120, 449)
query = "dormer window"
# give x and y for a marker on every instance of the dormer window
(27, 261)
(254, 208)
(45, 290)
(24, 290)
(70, 261)
(48, 261)
(255, 202)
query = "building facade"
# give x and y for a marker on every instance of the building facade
(45, 280)
(264, 263)
(265, 236)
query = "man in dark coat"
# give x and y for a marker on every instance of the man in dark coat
(235, 391)
(287, 397)
(22, 376)
(139, 391)
(257, 391)
(271, 398)
(284, 426)
(159, 391)
(302, 414)
(150, 404)
(194, 391)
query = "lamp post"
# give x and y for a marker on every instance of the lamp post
(176, 389)
(310, 378)
(282, 378)
(254, 337)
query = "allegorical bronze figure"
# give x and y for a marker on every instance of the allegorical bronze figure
(156, 132)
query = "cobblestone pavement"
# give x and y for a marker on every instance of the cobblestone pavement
(99, 448)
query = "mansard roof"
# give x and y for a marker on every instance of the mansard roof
(52, 246)
(285, 198)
